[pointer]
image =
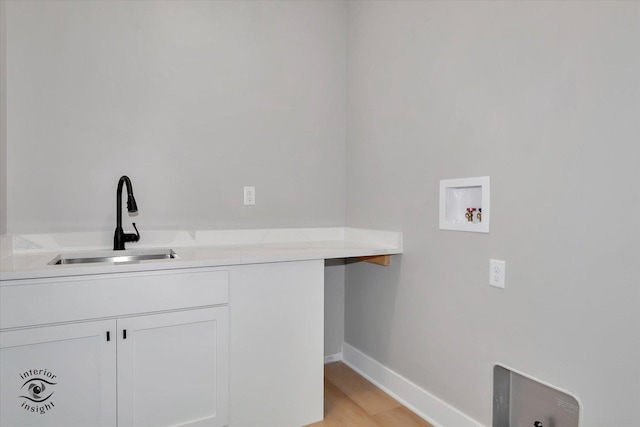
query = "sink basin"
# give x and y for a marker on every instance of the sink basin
(114, 257)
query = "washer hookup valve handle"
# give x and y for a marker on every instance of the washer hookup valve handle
(469, 214)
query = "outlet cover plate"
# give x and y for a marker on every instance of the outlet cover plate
(249, 196)
(497, 273)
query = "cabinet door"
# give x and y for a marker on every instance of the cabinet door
(59, 376)
(277, 344)
(173, 369)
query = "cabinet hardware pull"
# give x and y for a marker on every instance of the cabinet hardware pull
(108, 336)
(124, 334)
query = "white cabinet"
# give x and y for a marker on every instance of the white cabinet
(240, 346)
(58, 376)
(277, 344)
(161, 369)
(173, 369)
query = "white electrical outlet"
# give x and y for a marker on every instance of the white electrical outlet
(497, 272)
(249, 195)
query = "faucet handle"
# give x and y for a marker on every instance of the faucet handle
(137, 236)
(130, 237)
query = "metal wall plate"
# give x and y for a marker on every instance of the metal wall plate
(520, 400)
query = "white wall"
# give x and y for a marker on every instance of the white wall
(191, 100)
(545, 98)
(3, 120)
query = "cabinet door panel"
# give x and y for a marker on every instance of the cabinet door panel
(277, 339)
(173, 369)
(58, 376)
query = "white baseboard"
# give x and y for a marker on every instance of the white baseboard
(424, 404)
(333, 358)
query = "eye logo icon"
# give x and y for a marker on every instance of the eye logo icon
(37, 390)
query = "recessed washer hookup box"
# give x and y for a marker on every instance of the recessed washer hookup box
(520, 400)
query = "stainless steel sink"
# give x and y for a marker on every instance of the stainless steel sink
(114, 257)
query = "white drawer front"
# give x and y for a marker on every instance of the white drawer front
(43, 301)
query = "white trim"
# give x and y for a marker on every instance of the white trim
(333, 358)
(424, 404)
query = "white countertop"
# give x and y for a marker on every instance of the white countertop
(27, 256)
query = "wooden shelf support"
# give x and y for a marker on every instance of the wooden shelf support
(384, 260)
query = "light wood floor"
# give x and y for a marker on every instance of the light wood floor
(352, 401)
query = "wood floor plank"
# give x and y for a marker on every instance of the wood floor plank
(400, 417)
(364, 393)
(345, 393)
(340, 411)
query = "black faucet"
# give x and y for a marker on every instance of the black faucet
(120, 237)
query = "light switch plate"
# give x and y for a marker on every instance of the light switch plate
(497, 273)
